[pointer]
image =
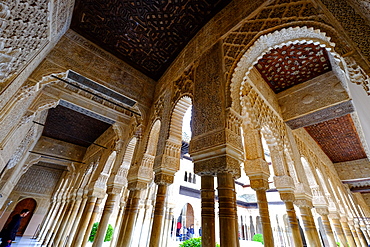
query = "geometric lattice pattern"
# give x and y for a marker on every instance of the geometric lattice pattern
(287, 66)
(146, 34)
(73, 127)
(338, 139)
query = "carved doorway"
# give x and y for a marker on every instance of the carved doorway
(27, 203)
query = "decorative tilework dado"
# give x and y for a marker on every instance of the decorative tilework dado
(338, 139)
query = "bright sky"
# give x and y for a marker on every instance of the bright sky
(186, 122)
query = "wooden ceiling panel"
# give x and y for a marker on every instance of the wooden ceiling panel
(338, 138)
(291, 65)
(148, 35)
(73, 127)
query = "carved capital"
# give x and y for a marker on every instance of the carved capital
(303, 203)
(114, 189)
(165, 179)
(322, 211)
(284, 183)
(287, 196)
(259, 184)
(220, 164)
(256, 167)
(137, 185)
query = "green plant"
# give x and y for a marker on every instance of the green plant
(258, 238)
(194, 242)
(338, 244)
(108, 234)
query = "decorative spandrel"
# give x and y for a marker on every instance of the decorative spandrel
(287, 66)
(146, 34)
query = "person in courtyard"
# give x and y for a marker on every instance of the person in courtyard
(9, 232)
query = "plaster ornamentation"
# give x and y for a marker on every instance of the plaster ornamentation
(350, 20)
(221, 164)
(259, 184)
(256, 167)
(137, 185)
(284, 183)
(303, 203)
(360, 132)
(158, 109)
(184, 86)
(24, 24)
(209, 140)
(287, 196)
(18, 154)
(165, 179)
(356, 74)
(114, 189)
(322, 210)
(271, 41)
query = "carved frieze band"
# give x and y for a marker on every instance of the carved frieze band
(323, 115)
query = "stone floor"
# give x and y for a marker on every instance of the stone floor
(25, 242)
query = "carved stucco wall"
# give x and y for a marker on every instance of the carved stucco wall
(353, 169)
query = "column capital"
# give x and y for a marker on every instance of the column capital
(256, 167)
(137, 185)
(217, 164)
(303, 203)
(164, 179)
(322, 211)
(287, 196)
(114, 189)
(284, 183)
(259, 184)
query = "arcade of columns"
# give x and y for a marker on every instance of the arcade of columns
(232, 109)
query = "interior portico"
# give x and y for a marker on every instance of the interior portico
(95, 97)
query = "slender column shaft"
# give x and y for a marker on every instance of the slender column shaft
(360, 235)
(158, 215)
(80, 232)
(103, 224)
(328, 230)
(339, 230)
(75, 222)
(54, 224)
(117, 225)
(366, 235)
(68, 224)
(293, 223)
(91, 222)
(348, 233)
(265, 217)
(47, 222)
(312, 235)
(61, 223)
(228, 234)
(208, 211)
(354, 235)
(130, 216)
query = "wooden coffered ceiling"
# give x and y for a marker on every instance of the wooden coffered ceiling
(287, 66)
(290, 65)
(338, 139)
(73, 127)
(148, 35)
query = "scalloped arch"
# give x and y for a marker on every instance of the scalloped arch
(277, 39)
